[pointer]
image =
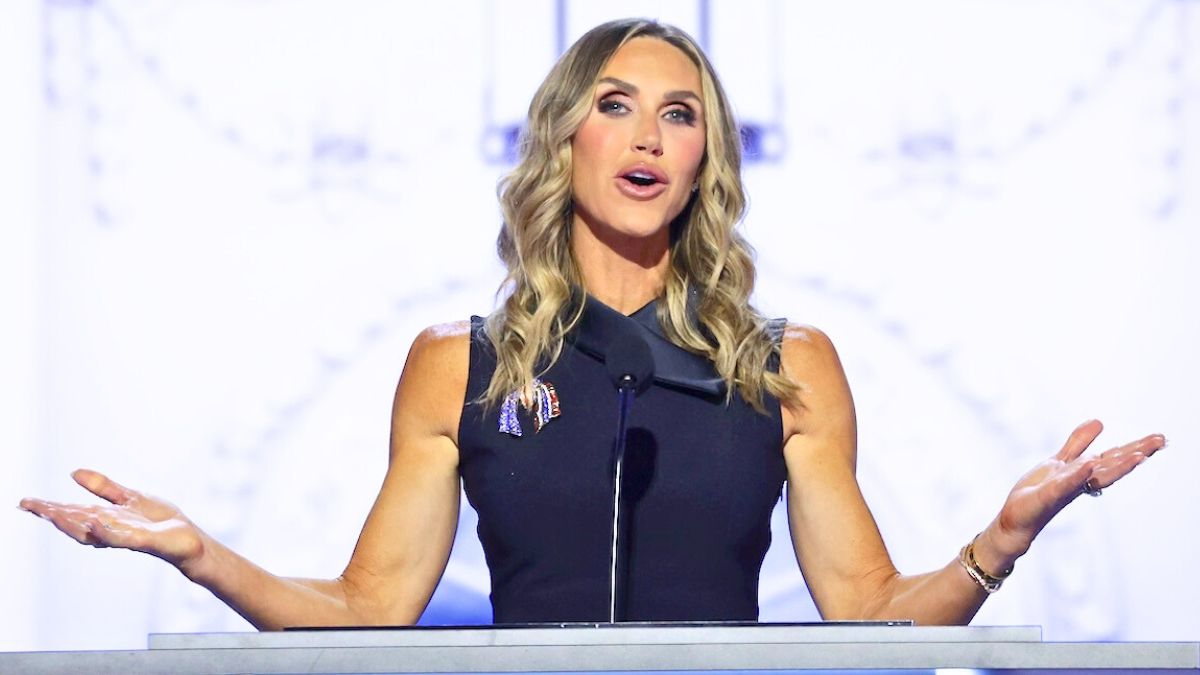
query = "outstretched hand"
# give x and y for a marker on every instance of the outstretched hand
(1056, 482)
(131, 520)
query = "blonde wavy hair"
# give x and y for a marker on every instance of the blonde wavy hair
(707, 254)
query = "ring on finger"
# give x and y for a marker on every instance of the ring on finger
(1091, 489)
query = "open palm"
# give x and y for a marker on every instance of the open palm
(1040, 494)
(131, 520)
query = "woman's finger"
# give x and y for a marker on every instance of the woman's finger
(1113, 465)
(90, 525)
(1069, 483)
(1079, 440)
(104, 487)
(1109, 472)
(1143, 446)
(41, 507)
(71, 521)
(108, 532)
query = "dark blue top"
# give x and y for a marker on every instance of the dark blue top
(701, 480)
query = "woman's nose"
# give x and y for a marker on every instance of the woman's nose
(647, 137)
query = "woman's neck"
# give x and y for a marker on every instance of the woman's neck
(622, 272)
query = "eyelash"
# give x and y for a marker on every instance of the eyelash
(685, 114)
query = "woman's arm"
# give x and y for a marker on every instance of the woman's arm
(401, 552)
(836, 540)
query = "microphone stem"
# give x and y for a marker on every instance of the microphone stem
(625, 393)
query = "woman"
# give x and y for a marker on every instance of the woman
(620, 216)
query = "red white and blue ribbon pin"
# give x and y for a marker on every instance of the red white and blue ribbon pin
(543, 400)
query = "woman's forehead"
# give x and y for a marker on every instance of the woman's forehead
(653, 63)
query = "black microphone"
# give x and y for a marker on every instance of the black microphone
(629, 362)
(631, 367)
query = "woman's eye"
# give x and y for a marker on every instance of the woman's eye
(682, 116)
(611, 106)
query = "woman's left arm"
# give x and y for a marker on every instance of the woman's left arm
(837, 543)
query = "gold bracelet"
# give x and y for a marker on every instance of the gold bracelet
(988, 582)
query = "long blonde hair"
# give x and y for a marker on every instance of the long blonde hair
(707, 253)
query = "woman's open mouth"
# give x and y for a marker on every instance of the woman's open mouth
(642, 182)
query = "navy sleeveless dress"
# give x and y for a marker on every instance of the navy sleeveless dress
(701, 481)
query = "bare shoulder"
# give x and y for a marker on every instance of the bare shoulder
(810, 361)
(434, 382)
(807, 351)
(442, 342)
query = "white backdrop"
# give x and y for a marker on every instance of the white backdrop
(224, 222)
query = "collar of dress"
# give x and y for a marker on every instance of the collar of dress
(674, 366)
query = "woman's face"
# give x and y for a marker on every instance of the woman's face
(638, 151)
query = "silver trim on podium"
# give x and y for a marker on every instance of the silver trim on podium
(619, 648)
(599, 634)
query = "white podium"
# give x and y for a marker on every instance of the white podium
(622, 647)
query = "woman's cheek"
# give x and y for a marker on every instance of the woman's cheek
(690, 148)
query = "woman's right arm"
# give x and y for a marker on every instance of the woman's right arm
(401, 552)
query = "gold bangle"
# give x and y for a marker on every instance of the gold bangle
(988, 582)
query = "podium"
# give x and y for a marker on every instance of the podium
(621, 647)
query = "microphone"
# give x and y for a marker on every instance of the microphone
(631, 367)
(629, 362)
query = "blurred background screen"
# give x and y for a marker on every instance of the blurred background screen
(225, 221)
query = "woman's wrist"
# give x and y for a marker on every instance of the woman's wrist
(201, 566)
(995, 553)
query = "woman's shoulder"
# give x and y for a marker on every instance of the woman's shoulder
(441, 336)
(803, 344)
(811, 362)
(443, 347)
(809, 359)
(434, 381)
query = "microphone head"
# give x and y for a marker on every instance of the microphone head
(630, 362)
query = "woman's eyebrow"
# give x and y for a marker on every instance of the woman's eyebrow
(621, 84)
(632, 89)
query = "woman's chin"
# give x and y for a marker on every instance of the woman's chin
(625, 225)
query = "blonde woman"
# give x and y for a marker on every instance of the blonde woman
(620, 216)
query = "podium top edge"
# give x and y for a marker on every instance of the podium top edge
(597, 634)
